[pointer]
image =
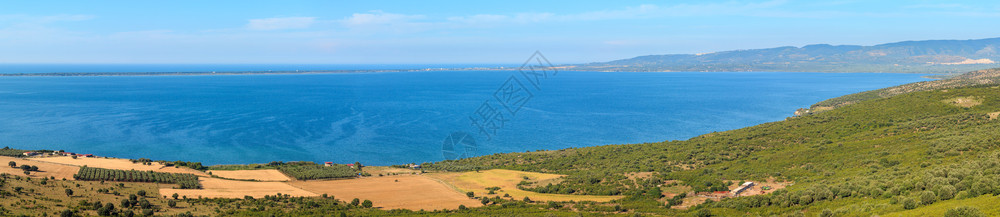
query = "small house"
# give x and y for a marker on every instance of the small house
(415, 166)
(328, 164)
(30, 153)
(351, 165)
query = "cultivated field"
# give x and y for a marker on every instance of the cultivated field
(413, 192)
(259, 175)
(433, 191)
(507, 180)
(383, 170)
(45, 169)
(221, 188)
(115, 163)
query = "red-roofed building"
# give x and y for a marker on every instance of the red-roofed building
(328, 164)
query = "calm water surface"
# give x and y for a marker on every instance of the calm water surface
(391, 118)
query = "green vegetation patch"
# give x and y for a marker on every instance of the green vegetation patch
(310, 172)
(10, 152)
(301, 170)
(185, 181)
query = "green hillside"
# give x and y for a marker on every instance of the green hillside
(917, 152)
(977, 78)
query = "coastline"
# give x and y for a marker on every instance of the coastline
(935, 76)
(297, 72)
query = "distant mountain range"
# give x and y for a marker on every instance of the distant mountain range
(934, 56)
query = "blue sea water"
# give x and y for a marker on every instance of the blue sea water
(392, 118)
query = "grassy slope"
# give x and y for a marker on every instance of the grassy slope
(869, 144)
(987, 204)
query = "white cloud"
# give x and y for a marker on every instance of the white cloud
(379, 18)
(382, 22)
(939, 6)
(643, 11)
(281, 23)
(479, 18)
(18, 21)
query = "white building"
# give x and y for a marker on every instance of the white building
(745, 186)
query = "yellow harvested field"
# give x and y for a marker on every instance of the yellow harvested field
(376, 170)
(45, 169)
(507, 180)
(221, 188)
(115, 163)
(259, 175)
(413, 192)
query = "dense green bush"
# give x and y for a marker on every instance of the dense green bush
(964, 211)
(309, 172)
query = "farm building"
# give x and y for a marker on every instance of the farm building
(745, 186)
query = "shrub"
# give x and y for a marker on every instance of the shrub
(927, 198)
(554, 205)
(826, 213)
(946, 192)
(703, 213)
(909, 203)
(964, 211)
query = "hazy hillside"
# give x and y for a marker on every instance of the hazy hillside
(936, 56)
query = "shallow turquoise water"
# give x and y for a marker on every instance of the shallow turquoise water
(392, 118)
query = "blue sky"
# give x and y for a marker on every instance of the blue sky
(435, 32)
